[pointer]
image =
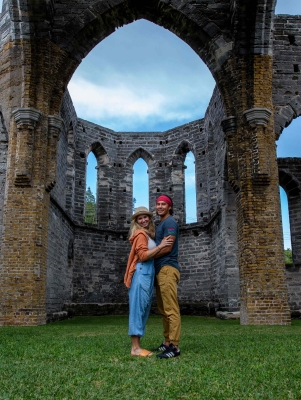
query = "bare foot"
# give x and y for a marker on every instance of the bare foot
(141, 353)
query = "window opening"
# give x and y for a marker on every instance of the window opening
(140, 184)
(290, 7)
(91, 190)
(190, 189)
(286, 227)
(286, 147)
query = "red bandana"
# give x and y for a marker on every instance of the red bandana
(166, 200)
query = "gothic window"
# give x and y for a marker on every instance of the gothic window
(140, 184)
(190, 189)
(91, 190)
(289, 180)
(285, 220)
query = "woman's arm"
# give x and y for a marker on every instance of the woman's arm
(167, 249)
(146, 255)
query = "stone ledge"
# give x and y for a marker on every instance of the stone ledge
(228, 315)
(97, 309)
(56, 316)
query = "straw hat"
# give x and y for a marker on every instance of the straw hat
(141, 211)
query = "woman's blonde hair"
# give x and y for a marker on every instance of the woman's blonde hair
(135, 226)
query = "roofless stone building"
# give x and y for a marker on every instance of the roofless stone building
(232, 258)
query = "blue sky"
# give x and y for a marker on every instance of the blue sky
(141, 78)
(144, 78)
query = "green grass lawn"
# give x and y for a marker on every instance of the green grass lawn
(89, 358)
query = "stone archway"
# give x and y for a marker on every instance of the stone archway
(289, 180)
(43, 53)
(130, 161)
(284, 115)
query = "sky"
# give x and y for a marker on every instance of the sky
(141, 78)
(144, 78)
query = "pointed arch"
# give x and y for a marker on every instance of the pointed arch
(286, 114)
(192, 22)
(104, 184)
(178, 178)
(190, 197)
(140, 184)
(98, 20)
(140, 153)
(99, 151)
(289, 183)
(183, 148)
(91, 189)
(292, 187)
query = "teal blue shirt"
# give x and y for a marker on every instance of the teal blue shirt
(167, 227)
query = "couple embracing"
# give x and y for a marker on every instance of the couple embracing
(154, 258)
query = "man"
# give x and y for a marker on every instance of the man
(167, 279)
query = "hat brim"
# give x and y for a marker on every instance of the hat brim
(134, 216)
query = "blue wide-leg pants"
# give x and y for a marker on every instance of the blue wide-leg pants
(140, 297)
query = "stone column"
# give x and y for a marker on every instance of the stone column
(178, 185)
(253, 173)
(25, 222)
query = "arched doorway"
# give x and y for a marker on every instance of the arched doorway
(38, 92)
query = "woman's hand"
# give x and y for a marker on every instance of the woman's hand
(166, 242)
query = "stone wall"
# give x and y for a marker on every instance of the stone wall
(96, 268)
(60, 263)
(222, 212)
(3, 162)
(290, 180)
(99, 266)
(208, 248)
(286, 70)
(254, 58)
(293, 279)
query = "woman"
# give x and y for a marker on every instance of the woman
(140, 273)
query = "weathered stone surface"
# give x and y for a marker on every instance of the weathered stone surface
(228, 315)
(232, 258)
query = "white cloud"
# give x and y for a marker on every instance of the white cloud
(141, 78)
(124, 106)
(120, 101)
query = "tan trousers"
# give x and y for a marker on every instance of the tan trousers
(167, 299)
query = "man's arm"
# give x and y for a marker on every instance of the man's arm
(167, 249)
